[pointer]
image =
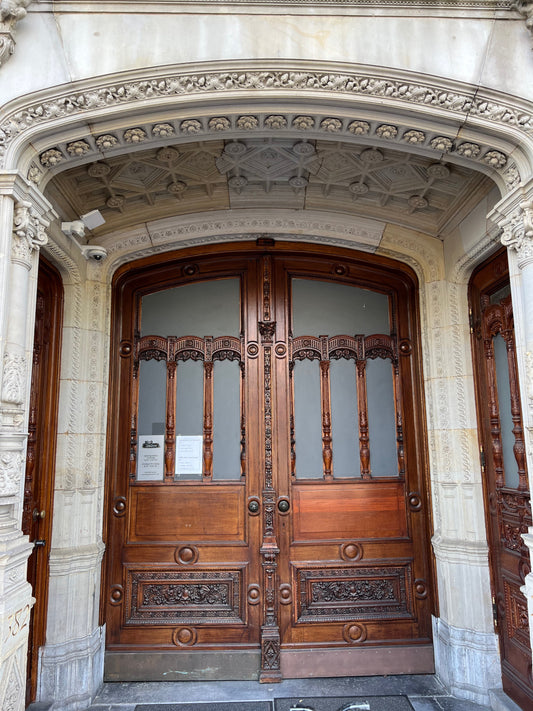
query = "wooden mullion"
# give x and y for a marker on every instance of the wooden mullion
(325, 406)
(494, 413)
(170, 428)
(134, 409)
(519, 448)
(362, 406)
(397, 394)
(208, 410)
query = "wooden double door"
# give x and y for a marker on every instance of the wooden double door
(267, 513)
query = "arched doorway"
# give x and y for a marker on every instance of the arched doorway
(267, 504)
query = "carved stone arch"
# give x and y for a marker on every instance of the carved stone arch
(448, 119)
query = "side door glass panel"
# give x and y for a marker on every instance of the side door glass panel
(381, 418)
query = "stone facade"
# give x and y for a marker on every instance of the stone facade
(89, 82)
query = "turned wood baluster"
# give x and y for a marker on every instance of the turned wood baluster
(519, 448)
(399, 422)
(208, 410)
(494, 413)
(170, 420)
(325, 401)
(362, 404)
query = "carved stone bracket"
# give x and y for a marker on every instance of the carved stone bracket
(11, 11)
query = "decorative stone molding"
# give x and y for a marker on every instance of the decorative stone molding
(467, 662)
(485, 113)
(11, 11)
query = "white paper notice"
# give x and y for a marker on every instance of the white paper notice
(189, 455)
(150, 457)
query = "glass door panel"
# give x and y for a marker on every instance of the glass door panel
(344, 419)
(381, 418)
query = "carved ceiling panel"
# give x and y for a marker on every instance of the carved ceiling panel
(404, 188)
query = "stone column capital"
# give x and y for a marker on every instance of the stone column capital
(29, 233)
(514, 216)
(517, 232)
(11, 11)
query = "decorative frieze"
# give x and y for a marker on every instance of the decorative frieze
(459, 102)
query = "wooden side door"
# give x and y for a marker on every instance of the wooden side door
(40, 458)
(505, 480)
(284, 564)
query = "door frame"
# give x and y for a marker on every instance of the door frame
(165, 268)
(41, 458)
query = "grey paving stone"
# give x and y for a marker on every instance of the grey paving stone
(345, 703)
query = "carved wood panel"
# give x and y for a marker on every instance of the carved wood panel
(174, 596)
(367, 593)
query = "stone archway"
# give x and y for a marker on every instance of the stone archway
(122, 114)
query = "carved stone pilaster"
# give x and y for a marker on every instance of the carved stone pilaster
(11, 11)
(12, 463)
(14, 378)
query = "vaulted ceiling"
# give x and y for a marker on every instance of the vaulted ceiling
(389, 185)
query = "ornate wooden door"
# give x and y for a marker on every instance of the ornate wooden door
(266, 489)
(40, 458)
(506, 487)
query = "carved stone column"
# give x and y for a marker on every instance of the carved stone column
(514, 215)
(22, 232)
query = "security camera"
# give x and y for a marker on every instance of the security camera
(94, 252)
(73, 229)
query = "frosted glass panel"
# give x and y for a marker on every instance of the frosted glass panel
(208, 308)
(152, 397)
(189, 397)
(381, 418)
(344, 419)
(324, 308)
(307, 420)
(226, 420)
(506, 422)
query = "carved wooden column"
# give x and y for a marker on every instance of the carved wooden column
(514, 214)
(22, 232)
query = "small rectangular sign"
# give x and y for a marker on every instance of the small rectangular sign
(150, 457)
(189, 456)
